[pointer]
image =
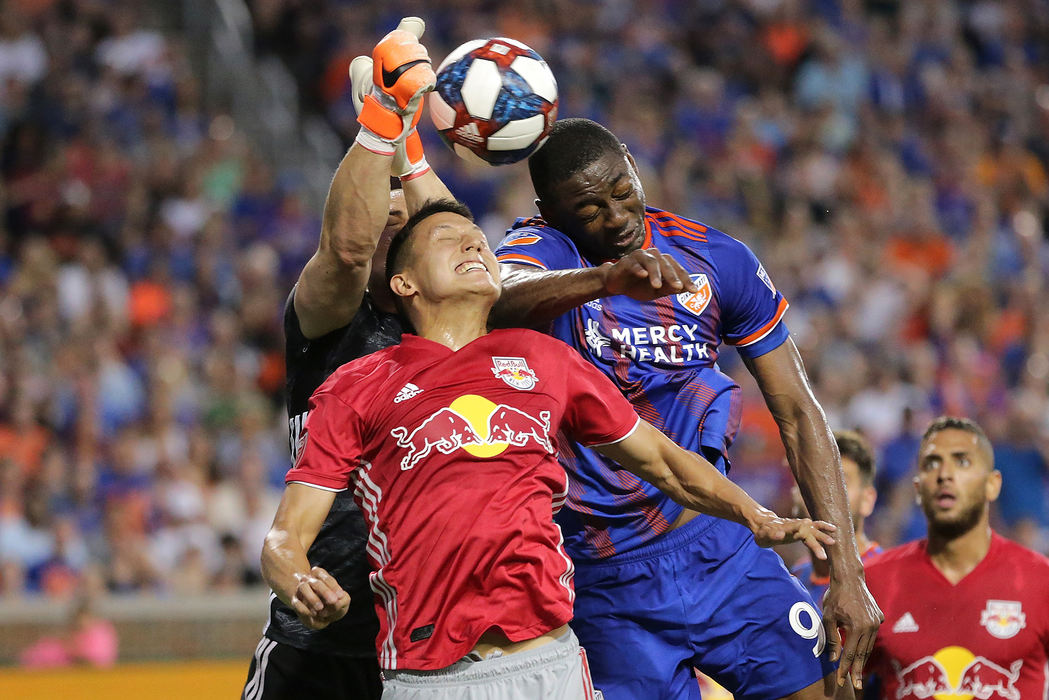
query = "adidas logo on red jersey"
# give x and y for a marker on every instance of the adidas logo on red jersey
(905, 624)
(406, 392)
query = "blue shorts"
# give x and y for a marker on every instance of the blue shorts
(706, 596)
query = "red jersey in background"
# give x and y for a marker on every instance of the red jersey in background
(986, 637)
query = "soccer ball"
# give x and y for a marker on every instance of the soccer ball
(495, 99)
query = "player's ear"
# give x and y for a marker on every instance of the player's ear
(917, 491)
(993, 485)
(401, 285)
(545, 210)
(629, 156)
(870, 497)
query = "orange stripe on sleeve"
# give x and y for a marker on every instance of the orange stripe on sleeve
(764, 330)
(524, 240)
(518, 258)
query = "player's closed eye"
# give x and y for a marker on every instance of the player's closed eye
(625, 194)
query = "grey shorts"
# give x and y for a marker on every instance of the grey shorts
(554, 671)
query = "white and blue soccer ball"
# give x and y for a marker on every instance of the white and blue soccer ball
(495, 99)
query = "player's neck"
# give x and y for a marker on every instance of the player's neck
(452, 324)
(956, 557)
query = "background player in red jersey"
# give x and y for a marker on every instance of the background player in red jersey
(966, 611)
(460, 500)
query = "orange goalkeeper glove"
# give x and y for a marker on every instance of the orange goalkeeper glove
(401, 75)
(409, 160)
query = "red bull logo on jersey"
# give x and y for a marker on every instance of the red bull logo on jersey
(473, 423)
(698, 300)
(514, 371)
(955, 673)
(1003, 618)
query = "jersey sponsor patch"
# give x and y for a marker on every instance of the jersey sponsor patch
(420, 633)
(1003, 618)
(955, 672)
(514, 371)
(475, 424)
(764, 277)
(698, 300)
(594, 338)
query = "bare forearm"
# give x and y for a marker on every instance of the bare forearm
(357, 205)
(695, 483)
(332, 283)
(684, 476)
(284, 562)
(532, 297)
(814, 460)
(811, 450)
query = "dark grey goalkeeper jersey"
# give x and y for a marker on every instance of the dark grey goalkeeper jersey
(339, 547)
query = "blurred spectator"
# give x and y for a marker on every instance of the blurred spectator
(87, 640)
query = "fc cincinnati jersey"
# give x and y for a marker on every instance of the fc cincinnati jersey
(661, 354)
(452, 458)
(986, 637)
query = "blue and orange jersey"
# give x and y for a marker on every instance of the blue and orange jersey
(662, 355)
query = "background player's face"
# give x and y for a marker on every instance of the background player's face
(861, 496)
(601, 208)
(396, 219)
(450, 258)
(955, 482)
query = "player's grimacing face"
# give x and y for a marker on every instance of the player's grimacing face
(955, 482)
(450, 256)
(601, 208)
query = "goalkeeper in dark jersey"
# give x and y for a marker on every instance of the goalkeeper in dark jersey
(339, 310)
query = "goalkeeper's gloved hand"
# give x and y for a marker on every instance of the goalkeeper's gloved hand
(401, 73)
(409, 161)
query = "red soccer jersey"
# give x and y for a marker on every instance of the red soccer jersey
(453, 462)
(986, 637)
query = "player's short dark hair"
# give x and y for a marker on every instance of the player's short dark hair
(572, 145)
(964, 424)
(854, 446)
(399, 252)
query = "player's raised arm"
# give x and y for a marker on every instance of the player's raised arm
(695, 483)
(310, 591)
(532, 296)
(815, 462)
(332, 283)
(418, 180)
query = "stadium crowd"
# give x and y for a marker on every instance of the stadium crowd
(887, 160)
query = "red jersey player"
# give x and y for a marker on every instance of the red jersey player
(449, 443)
(966, 611)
